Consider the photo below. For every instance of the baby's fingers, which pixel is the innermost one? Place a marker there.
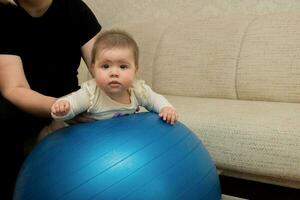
(172, 116)
(55, 108)
(169, 116)
(62, 107)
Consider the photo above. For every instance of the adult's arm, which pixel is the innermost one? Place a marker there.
(86, 51)
(89, 30)
(15, 88)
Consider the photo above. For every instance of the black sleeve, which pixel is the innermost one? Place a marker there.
(87, 23)
(7, 33)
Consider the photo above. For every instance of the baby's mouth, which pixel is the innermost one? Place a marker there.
(114, 84)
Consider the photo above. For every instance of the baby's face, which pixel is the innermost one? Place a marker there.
(114, 70)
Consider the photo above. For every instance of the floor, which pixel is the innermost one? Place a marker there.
(254, 190)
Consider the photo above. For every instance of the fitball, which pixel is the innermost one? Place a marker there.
(133, 157)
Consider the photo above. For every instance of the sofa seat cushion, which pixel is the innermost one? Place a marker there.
(249, 137)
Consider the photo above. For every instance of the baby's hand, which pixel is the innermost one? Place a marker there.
(60, 108)
(168, 114)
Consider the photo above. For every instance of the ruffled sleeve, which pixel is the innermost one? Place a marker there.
(147, 98)
(91, 88)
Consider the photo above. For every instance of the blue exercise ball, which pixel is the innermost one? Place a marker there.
(134, 157)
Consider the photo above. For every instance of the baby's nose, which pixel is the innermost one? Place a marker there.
(114, 71)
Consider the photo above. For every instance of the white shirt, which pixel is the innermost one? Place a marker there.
(98, 105)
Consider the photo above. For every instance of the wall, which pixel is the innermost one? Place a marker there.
(119, 11)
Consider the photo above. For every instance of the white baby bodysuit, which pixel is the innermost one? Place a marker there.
(98, 105)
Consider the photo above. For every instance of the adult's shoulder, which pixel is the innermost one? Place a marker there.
(7, 10)
(7, 6)
(2, 10)
(8, 13)
(8, 16)
(78, 10)
(75, 5)
(82, 20)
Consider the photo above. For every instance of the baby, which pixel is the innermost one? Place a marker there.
(113, 91)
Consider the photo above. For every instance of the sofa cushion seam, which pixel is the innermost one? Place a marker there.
(243, 38)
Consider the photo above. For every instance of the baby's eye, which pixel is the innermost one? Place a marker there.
(123, 66)
(105, 66)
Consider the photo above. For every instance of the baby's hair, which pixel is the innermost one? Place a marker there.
(115, 39)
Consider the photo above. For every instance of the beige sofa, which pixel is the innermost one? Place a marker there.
(234, 78)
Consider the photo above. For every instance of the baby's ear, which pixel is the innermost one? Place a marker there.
(92, 69)
(92, 65)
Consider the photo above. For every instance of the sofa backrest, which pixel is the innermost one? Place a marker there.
(234, 56)
(198, 57)
(269, 61)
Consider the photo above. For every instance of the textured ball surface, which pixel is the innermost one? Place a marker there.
(131, 157)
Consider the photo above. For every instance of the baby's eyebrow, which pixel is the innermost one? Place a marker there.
(105, 61)
(123, 61)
